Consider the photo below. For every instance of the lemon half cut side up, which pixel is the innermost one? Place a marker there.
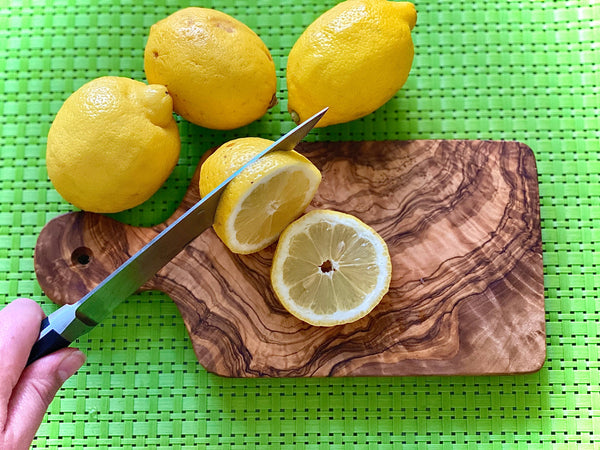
(330, 268)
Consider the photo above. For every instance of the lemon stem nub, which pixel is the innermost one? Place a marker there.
(273, 102)
(295, 116)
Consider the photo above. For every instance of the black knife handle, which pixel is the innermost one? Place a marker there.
(49, 343)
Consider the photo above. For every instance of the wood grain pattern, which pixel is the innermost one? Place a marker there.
(461, 219)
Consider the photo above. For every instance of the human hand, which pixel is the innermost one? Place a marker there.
(26, 392)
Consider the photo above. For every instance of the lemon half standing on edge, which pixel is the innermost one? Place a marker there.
(220, 73)
(112, 144)
(353, 59)
(330, 268)
(264, 198)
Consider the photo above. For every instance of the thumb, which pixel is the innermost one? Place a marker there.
(36, 389)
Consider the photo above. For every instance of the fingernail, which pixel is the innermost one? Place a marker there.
(70, 364)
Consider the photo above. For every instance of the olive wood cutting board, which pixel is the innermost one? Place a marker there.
(461, 219)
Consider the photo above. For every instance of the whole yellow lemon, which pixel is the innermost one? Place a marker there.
(353, 59)
(220, 73)
(112, 144)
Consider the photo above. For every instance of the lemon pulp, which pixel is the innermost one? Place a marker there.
(270, 205)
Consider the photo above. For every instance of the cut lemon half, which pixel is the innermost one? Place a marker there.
(330, 268)
(264, 198)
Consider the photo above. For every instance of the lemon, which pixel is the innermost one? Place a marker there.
(112, 144)
(330, 268)
(264, 198)
(353, 59)
(219, 72)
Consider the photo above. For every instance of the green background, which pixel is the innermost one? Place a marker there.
(512, 70)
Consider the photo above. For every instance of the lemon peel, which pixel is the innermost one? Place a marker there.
(353, 59)
(220, 73)
(112, 144)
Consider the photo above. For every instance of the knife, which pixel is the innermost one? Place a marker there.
(69, 322)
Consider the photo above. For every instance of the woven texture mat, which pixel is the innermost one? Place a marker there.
(526, 71)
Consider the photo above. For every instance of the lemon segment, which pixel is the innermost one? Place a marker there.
(112, 144)
(263, 199)
(353, 59)
(330, 268)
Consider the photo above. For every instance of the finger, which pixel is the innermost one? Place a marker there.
(19, 329)
(36, 389)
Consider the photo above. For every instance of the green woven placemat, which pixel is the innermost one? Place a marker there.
(526, 71)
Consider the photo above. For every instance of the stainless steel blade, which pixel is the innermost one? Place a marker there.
(138, 269)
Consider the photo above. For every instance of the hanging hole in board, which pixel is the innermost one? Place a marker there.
(81, 256)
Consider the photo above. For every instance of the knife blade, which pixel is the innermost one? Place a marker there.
(70, 322)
